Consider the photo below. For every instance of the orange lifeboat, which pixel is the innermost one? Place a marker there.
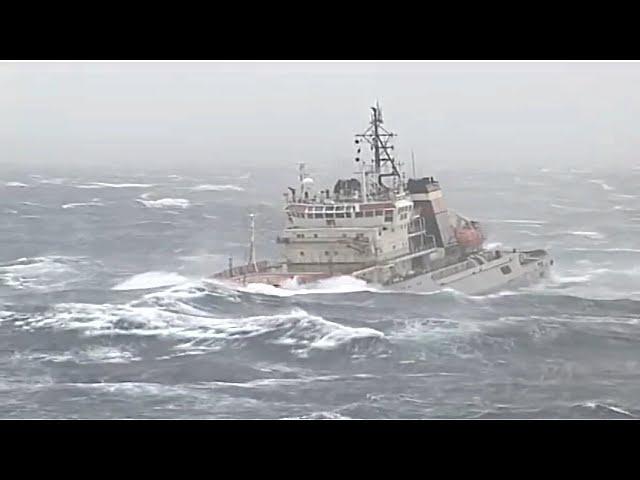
(469, 236)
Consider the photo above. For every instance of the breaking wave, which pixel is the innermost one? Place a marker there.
(92, 203)
(604, 409)
(335, 285)
(532, 222)
(89, 355)
(16, 184)
(216, 188)
(165, 203)
(114, 185)
(150, 280)
(602, 184)
(201, 332)
(41, 273)
(605, 250)
(593, 235)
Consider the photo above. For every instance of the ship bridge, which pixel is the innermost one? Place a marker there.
(361, 221)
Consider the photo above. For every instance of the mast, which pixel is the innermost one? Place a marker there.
(380, 141)
(413, 163)
(376, 136)
(252, 243)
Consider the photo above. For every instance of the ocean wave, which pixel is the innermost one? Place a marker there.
(92, 185)
(165, 203)
(574, 209)
(531, 234)
(52, 181)
(604, 408)
(93, 203)
(298, 330)
(593, 235)
(570, 279)
(602, 184)
(624, 195)
(41, 273)
(443, 332)
(334, 285)
(216, 188)
(89, 355)
(16, 184)
(150, 280)
(320, 416)
(605, 250)
(532, 222)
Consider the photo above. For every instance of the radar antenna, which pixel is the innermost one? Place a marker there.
(379, 139)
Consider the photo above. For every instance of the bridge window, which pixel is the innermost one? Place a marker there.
(358, 214)
(378, 213)
(300, 235)
(388, 215)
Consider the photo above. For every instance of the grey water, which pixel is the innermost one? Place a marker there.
(106, 310)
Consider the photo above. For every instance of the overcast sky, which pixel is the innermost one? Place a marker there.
(182, 115)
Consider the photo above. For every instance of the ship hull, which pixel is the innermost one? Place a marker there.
(508, 271)
(486, 279)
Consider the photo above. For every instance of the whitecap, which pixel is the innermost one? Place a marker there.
(594, 235)
(16, 184)
(604, 406)
(602, 184)
(52, 181)
(320, 416)
(574, 209)
(298, 329)
(82, 204)
(165, 203)
(333, 285)
(150, 280)
(607, 250)
(216, 188)
(89, 355)
(40, 273)
(533, 222)
(114, 185)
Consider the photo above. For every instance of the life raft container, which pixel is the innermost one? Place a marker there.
(469, 237)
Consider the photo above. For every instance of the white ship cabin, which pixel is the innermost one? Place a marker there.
(361, 222)
(338, 234)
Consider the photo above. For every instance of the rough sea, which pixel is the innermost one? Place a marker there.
(106, 310)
